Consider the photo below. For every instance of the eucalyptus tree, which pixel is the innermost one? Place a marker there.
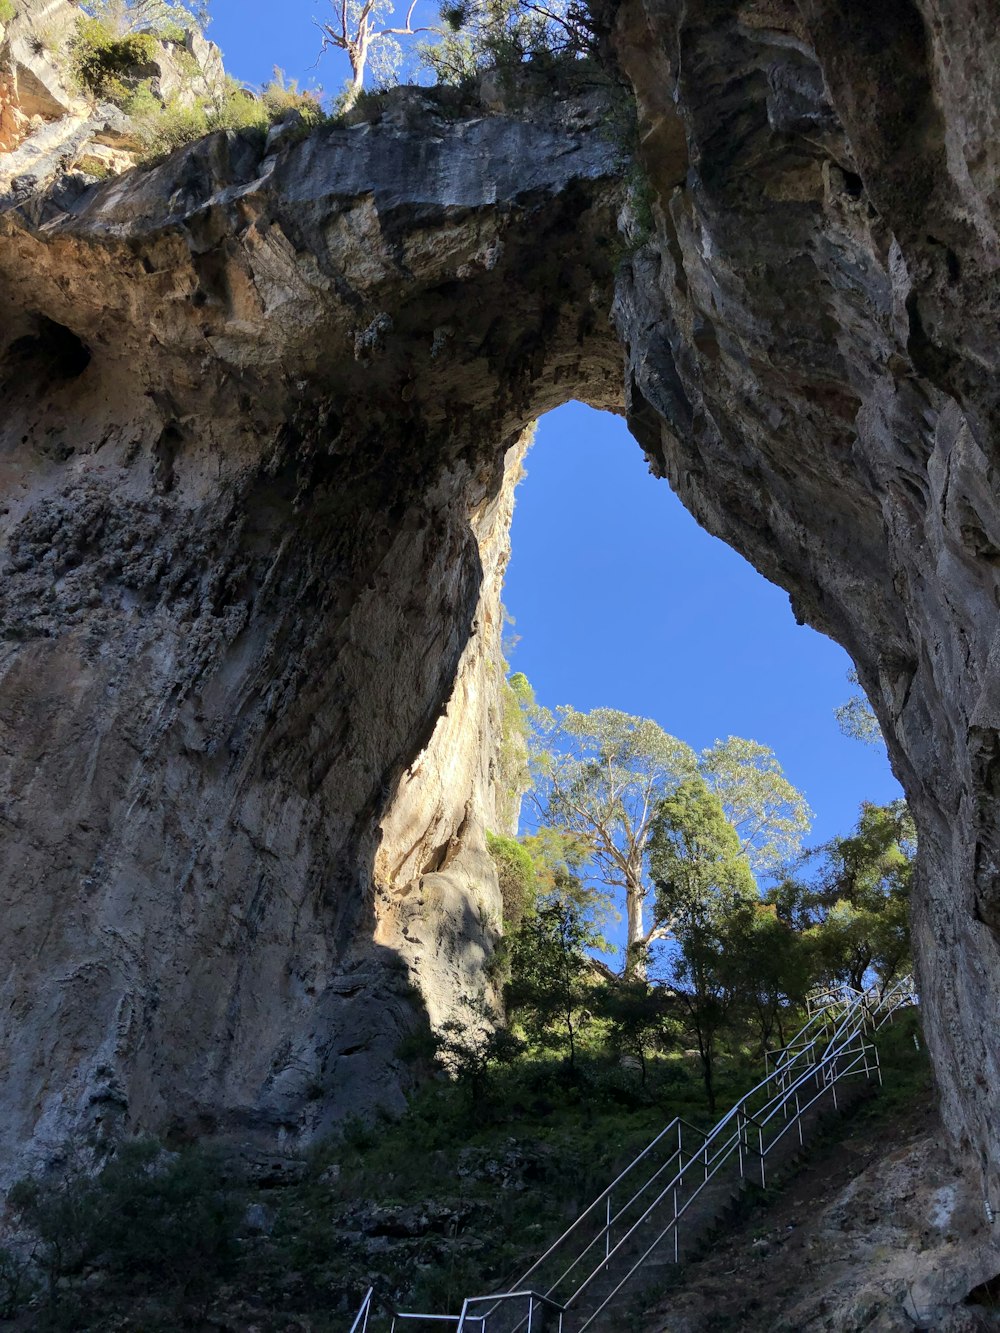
(601, 777)
(604, 777)
(364, 31)
(769, 814)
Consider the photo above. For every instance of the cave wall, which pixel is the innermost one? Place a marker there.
(258, 407)
(261, 416)
(811, 339)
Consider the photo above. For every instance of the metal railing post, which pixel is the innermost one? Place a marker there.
(739, 1144)
(607, 1234)
(760, 1141)
(531, 1311)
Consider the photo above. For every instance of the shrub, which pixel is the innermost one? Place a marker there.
(106, 65)
(7, 10)
(516, 873)
(154, 1220)
(281, 97)
(161, 129)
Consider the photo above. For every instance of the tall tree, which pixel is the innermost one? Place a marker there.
(551, 977)
(769, 814)
(363, 31)
(695, 856)
(602, 777)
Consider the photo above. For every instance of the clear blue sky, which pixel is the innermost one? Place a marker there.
(257, 35)
(619, 597)
(621, 600)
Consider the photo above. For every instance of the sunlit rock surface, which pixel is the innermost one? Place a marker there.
(256, 412)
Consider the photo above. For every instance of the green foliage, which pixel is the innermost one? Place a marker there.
(108, 65)
(472, 1051)
(559, 858)
(7, 10)
(610, 780)
(164, 128)
(855, 914)
(503, 34)
(155, 1220)
(551, 976)
(695, 855)
(856, 718)
(864, 894)
(600, 777)
(162, 17)
(516, 873)
(513, 777)
(282, 96)
(770, 816)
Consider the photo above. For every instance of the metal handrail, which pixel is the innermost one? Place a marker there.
(831, 1074)
(361, 1322)
(497, 1298)
(828, 1048)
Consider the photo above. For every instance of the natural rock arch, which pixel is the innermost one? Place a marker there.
(246, 542)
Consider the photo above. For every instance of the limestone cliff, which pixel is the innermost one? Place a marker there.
(255, 411)
(812, 361)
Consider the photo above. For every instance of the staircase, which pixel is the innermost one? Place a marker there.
(662, 1206)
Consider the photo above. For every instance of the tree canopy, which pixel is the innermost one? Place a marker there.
(609, 781)
(157, 16)
(856, 718)
(855, 911)
(769, 815)
(601, 777)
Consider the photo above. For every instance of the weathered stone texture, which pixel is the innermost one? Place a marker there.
(255, 408)
(811, 333)
(255, 418)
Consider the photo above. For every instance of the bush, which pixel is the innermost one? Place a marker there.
(108, 66)
(280, 98)
(7, 10)
(161, 129)
(516, 873)
(153, 1220)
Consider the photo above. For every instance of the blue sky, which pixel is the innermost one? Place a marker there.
(619, 598)
(257, 35)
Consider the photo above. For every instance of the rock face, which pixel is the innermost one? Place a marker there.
(812, 361)
(257, 417)
(255, 412)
